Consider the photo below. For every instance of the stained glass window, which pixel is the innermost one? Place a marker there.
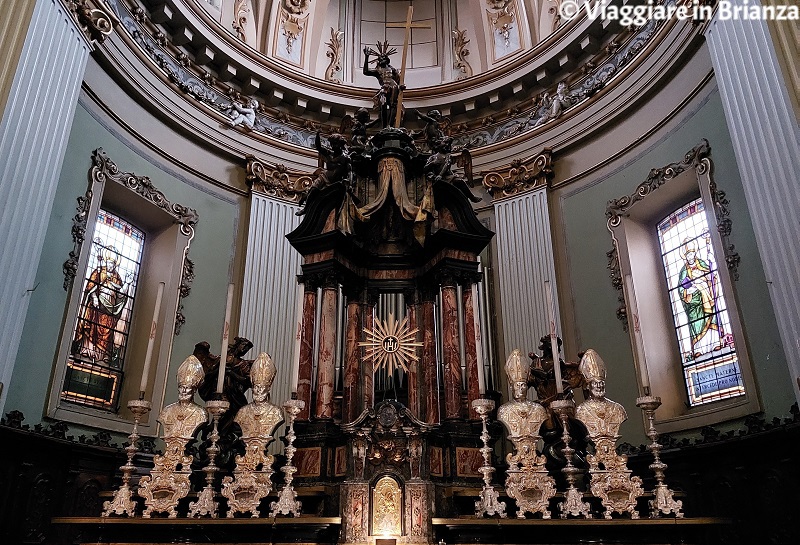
(100, 340)
(702, 325)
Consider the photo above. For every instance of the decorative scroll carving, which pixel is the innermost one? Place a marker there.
(461, 52)
(240, 10)
(616, 281)
(294, 14)
(105, 169)
(276, 180)
(503, 19)
(618, 208)
(334, 53)
(94, 18)
(724, 223)
(521, 175)
(187, 278)
(79, 221)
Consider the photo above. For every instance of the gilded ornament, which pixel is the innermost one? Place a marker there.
(611, 480)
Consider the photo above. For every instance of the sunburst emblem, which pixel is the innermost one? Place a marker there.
(391, 345)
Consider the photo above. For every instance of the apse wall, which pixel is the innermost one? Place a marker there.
(215, 251)
(583, 241)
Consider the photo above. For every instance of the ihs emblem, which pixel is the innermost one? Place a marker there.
(391, 344)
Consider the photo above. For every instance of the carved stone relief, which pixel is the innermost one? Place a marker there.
(520, 175)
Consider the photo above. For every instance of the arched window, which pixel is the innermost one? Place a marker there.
(96, 360)
(699, 312)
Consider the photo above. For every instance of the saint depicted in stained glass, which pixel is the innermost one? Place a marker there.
(698, 287)
(97, 354)
(702, 325)
(104, 299)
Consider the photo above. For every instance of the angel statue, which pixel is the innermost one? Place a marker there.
(438, 168)
(435, 127)
(244, 116)
(337, 166)
(553, 107)
(389, 78)
(357, 127)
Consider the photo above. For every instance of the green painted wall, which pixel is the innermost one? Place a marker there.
(211, 250)
(595, 300)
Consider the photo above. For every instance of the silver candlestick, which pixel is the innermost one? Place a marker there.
(663, 500)
(287, 500)
(123, 504)
(205, 504)
(488, 504)
(573, 503)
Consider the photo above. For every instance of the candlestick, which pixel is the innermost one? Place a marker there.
(287, 500)
(205, 504)
(123, 503)
(638, 342)
(548, 289)
(223, 351)
(488, 504)
(663, 500)
(573, 503)
(151, 341)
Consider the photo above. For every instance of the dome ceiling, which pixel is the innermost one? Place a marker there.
(499, 69)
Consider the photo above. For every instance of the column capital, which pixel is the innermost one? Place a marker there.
(94, 18)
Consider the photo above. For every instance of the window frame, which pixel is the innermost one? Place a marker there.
(169, 230)
(646, 308)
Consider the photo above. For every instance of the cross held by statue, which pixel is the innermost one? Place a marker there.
(408, 25)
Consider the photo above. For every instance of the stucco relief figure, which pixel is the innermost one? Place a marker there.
(168, 481)
(553, 107)
(527, 479)
(258, 421)
(611, 479)
(243, 116)
(389, 78)
(104, 299)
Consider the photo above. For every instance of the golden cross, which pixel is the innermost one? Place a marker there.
(408, 25)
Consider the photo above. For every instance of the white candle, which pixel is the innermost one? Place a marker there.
(226, 330)
(478, 344)
(638, 342)
(298, 337)
(151, 341)
(551, 311)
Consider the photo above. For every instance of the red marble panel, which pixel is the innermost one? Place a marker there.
(351, 402)
(451, 354)
(435, 462)
(308, 462)
(368, 394)
(430, 382)
(327, 351)
(468, 462)
(413, 368)
(306, 352)
(470, 351)
(340, 464)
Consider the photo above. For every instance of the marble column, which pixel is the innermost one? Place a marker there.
(368, 396)
(414, 366)
(471, 350)
(351, 404)
(326, 362)
(429, 375)
(766, 141)
(34, 129)
(307, 349)
(451, 352)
